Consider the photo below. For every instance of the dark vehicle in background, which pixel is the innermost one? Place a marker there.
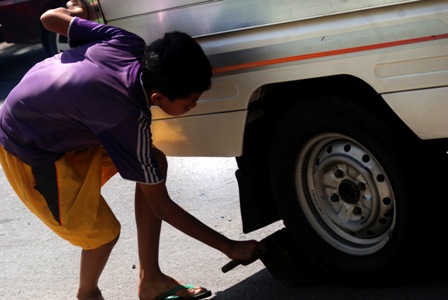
(20, 23)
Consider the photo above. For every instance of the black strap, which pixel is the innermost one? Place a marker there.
(46, 184)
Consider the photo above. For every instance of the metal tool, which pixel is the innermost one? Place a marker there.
(280, 258)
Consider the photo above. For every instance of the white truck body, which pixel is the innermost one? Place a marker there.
(329, 107)
(398, 47)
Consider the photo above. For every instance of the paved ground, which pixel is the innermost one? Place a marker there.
(35, 264)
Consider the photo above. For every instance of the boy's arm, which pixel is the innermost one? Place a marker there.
(58, 19)
(164, 208)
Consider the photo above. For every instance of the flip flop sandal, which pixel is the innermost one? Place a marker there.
(171, 294)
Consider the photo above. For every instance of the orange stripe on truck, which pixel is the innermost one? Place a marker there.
(268, 62)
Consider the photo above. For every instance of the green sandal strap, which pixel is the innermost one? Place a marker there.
(171, 293)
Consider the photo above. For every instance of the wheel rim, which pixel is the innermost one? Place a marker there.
(345, 194)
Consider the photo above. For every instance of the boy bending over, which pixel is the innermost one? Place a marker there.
(77, 118)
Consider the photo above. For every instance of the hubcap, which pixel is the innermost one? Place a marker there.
(345, 194)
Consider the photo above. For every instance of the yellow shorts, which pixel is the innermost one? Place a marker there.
(72, 206)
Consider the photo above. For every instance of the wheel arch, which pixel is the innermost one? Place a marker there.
(265, 111)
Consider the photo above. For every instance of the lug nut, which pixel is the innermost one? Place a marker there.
(357, 211)
(334, 198)
(339, 173)
(362, 186)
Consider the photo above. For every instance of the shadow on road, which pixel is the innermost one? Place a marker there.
(262, 286)
(259, 286)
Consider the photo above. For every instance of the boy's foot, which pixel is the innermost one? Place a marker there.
(98, 296)
(193, 293)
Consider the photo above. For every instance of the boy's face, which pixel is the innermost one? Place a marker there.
(177, 107)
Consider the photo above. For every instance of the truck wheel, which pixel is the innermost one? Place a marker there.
(341, 184)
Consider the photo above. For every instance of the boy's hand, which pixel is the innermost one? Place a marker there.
(246, 251)
(78, 8)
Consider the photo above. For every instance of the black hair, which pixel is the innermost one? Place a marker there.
(176, 66)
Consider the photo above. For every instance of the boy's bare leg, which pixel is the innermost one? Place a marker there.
(92, 265)
(148, 234)
(148, 237)
(153, 281)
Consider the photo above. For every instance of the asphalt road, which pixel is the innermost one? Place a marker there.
(35, 264)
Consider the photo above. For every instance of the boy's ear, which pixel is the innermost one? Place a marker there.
(157, 98)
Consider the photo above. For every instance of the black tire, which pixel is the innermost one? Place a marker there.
(51, 42)
(54, 43)
(341, 182)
